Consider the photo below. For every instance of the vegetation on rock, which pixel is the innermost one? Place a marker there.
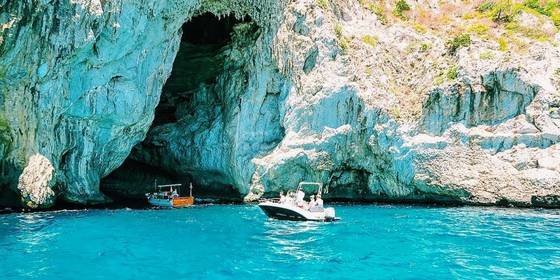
(462, 40)
(400, 8)
(370, 40)
(452, 73)
(342, 41)
(323, 3)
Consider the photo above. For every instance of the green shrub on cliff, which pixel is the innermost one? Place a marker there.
(400, 8)
(542, 7)
(485, 6)
(342, 41)
(425, 46)
(505, 11)
(452, 73)
(462, 40)
(500, 10)
(549, 8)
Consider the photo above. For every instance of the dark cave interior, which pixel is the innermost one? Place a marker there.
(199, 61)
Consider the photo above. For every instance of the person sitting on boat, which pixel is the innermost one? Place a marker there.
(319, 201)
(282, 197)
(293, 197)
(312, 201)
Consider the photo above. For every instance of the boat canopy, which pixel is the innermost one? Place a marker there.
(168, 186)
(319, 185)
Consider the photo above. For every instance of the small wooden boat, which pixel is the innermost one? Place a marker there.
(168, 196)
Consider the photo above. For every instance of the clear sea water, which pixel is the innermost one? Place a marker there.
(239, 242)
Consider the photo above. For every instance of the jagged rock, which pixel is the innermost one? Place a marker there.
(35, 183)
(80, 81)
(284, 91)
(547, 201)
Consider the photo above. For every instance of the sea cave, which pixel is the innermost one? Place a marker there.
(186, 139)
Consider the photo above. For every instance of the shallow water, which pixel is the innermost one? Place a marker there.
(239, 242)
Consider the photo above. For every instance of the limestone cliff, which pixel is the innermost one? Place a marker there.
(380, 100)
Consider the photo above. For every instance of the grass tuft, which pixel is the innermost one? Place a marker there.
(324, 4)
(502, 44)
(486, 55)
(452, 73)
(342, 41)
(479, 29)
(370, 40)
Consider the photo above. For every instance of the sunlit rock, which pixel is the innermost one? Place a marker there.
(247, 98)
(35, 183)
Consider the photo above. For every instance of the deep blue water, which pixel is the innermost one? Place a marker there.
(239, 242)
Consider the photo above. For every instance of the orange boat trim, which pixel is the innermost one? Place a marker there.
(183, 201)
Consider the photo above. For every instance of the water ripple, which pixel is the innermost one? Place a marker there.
(239, 242)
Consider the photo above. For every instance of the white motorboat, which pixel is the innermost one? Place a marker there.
(294, 207)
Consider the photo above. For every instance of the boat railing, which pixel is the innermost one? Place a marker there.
(274, 200)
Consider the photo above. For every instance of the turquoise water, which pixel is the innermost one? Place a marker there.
(239, 242)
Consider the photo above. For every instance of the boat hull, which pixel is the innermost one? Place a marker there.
(281, 213)
(293, 213)
(178, 202)
(183, 201)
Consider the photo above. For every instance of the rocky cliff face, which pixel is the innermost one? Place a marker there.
(379, 101)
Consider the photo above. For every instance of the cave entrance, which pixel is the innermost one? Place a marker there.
(190, 95)
(199, 61)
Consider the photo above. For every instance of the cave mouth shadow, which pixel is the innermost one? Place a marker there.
(199, 62)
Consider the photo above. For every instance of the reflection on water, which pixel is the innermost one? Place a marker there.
(32, 230)
(32, 234)
(296, 239)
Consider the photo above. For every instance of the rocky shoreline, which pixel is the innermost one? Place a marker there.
(550, 202)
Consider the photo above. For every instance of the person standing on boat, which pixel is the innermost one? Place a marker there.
(299, 198)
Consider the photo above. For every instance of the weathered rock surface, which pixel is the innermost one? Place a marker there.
(297, 92)
(35, 182)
